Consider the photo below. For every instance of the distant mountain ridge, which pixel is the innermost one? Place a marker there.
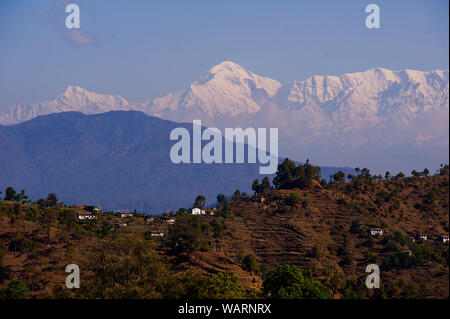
(118, 160)
(383, 119)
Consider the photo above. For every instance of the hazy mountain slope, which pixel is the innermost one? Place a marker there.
(74, 98)
(119, 160)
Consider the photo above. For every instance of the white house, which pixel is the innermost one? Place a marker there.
(149, 219)
(124, 214)
(86, 215)
(120, 224)
(198, 211)
(376, 231)
(444, 238)
(422, 237)
(157, 234)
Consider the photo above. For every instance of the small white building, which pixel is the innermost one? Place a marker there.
(149, 219)
(124, 214)
(422, 237)
(198, 211)
(376, 232)
(120, 224)
(444, 239)
(157, 234)
(86, 215)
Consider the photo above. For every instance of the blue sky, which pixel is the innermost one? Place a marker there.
(144, 49)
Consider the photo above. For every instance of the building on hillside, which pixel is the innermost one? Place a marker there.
(407, 252)
(149, 219)
(157, 234)
(169, 220)
(124, 214)
(443, 239)
(197, 211)
(92, 209)
(120, 224)
(86, 215)
(376, 231)
(211, 211)
(421, 237)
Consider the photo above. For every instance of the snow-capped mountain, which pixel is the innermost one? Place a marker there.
(227, 89)
(368, 97)
(74, 98)
(373, 118)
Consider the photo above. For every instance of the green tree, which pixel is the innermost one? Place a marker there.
(249, 264)
(290, 176)
(10, 194)
(256, 186)
(223, 285)
(289, 282)
(265, 184)
(52, 200)
(200, 201)
(339, 177)
(236, 195)
(17, 289)
(221, 199)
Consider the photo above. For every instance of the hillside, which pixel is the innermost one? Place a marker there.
(116, 160)
(322, 229)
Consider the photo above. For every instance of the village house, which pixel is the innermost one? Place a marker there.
(197, 211)
(421, 237)
(157, 234)
(376, 231)
(92, 209)
(169, 220)
(149, 219)
(86, 215)
(120, 225)
(443, 239)
(124, 214)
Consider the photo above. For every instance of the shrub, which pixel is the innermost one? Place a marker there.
(289, 282)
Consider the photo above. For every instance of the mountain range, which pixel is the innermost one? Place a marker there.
(117, 160)
(378, 118)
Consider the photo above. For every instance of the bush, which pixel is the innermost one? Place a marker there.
(249, 264)
(347, 260)
(289, 282)
(17, 289)
(293, 199)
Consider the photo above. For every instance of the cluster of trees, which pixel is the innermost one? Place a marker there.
(265, 185)
(290, 176)
(12, 195)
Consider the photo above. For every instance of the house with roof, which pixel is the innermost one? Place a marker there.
(124, 214)
(198, 211)
(376, 231)
(443, 239)
(421, 236)
(86, 215)
(92, 209)
(157, 234)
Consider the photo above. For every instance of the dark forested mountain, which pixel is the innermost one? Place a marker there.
(117, 160)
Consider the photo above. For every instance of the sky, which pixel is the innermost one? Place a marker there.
(145, 49)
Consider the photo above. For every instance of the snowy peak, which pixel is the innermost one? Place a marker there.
(77, 96)
(371, 94)
(74, 98)
(226, 89)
